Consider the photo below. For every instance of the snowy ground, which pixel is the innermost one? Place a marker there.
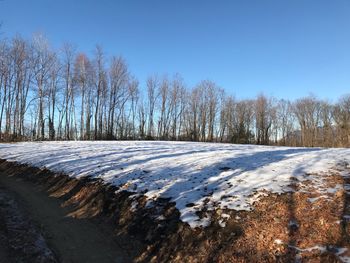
(194, 175)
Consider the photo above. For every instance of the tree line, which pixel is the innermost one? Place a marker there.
(63, 94)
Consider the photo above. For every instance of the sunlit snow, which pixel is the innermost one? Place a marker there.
(193, 175)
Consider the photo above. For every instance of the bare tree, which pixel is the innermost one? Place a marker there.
(5, 63)
(43, 60)
(325, 131)
(286, 121)
(134, 95)
(263, 119)
(341, 116)
(307, 111)
(52, 96)
(82, 78)
(69, 105)
(152, 92)
(99, 86)
(119, 77)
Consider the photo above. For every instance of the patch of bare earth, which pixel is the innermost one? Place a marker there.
(309, 224)
(21, 239)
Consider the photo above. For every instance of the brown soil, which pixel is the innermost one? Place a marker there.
(86, 221)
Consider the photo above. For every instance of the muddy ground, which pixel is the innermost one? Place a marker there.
(60, 219)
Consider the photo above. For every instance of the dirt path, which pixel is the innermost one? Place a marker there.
(71, 239)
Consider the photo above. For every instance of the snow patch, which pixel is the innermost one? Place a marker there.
(205, 175)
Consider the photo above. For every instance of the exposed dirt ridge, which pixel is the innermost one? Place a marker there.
(298, 226)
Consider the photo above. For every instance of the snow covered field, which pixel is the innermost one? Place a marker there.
(194, 175)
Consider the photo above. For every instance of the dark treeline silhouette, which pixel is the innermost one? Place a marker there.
(48, 94)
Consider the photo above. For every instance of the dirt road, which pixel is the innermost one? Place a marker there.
(67, 239)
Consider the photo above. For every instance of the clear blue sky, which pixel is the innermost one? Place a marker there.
(284, 48)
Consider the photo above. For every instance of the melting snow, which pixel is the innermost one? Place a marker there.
(338, 251)
(278, 242)
(201, 174)
(314, 199)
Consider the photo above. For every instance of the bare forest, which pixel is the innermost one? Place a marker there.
(63, 94)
